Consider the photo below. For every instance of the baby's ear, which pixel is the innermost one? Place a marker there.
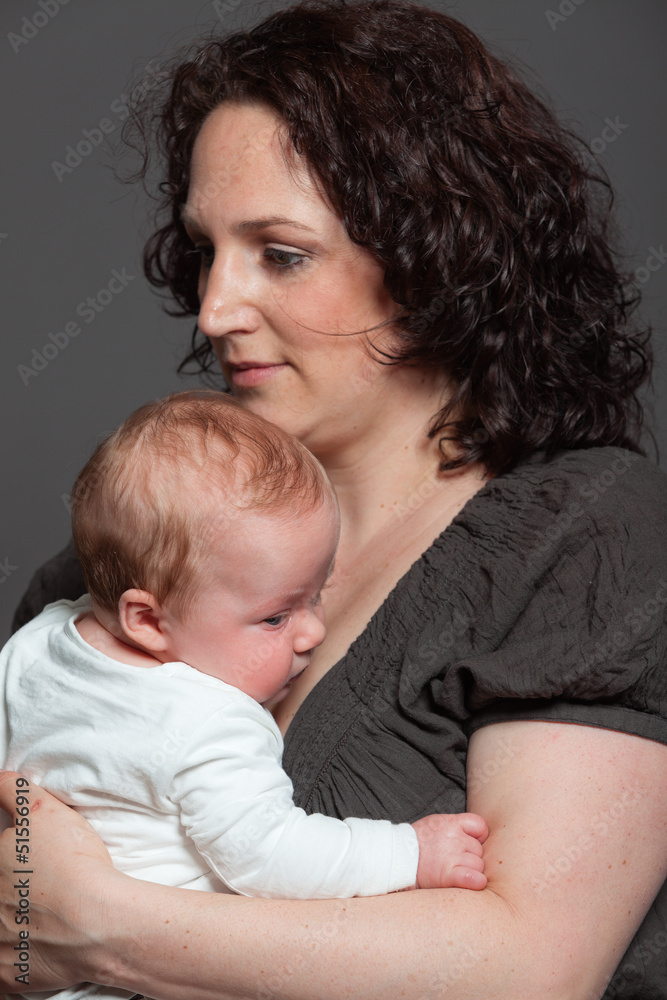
(141, 617)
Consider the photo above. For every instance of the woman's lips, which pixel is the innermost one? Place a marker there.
(253, 373)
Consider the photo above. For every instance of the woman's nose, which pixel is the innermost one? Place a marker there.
(226, 299)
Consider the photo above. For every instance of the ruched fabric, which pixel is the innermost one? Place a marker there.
(545, 599)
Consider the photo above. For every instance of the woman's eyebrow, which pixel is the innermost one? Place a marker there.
(251, 225)
(273, 220)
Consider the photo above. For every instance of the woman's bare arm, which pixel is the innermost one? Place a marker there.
(578, 820)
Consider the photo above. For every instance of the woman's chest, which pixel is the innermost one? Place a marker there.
(367, 571)
(359, 586)
(366, 744)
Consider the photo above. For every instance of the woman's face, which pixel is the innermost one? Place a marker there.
(283, 290)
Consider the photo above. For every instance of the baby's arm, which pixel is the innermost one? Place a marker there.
(236, 805)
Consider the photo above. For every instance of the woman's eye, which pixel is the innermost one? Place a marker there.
(275, 620)
(283, 259)
(204, 253)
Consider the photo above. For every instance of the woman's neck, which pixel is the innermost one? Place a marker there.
(389, 471)
(399, 501)
(394, 503)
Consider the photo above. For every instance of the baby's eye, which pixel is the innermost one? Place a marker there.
(275, 620)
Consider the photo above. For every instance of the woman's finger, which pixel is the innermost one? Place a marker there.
(46, 847)
(7, 791)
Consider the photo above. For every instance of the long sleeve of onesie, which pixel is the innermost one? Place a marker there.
(236, 805)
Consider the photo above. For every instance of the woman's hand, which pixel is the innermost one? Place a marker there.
(48, 899)
(578, 825)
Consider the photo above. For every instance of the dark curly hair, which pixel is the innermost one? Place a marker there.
(490, 220)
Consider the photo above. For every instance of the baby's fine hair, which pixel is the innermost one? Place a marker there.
(177, 472)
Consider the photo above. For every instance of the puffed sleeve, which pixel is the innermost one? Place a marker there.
(567, 620)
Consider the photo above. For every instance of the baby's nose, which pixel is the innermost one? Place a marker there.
(310, 635)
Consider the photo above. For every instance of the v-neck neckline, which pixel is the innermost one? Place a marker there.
(324, 696)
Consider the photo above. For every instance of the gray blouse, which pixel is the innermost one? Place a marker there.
(546, 598)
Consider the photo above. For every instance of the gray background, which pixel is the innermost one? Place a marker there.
(60, 239)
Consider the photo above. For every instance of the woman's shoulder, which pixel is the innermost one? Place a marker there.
(60, 578)
(582, 516)
(607, 475)
(596, 492)
(548, 599)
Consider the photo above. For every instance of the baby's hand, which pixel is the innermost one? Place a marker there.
(450, 851)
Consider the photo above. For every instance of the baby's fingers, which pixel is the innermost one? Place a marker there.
(473, 846)
(463, 877)
(474, 825)
(469, 860)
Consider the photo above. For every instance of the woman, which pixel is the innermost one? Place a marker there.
(394, 253)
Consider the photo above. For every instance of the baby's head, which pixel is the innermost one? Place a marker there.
(205, 535)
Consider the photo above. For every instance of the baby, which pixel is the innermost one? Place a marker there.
(206, 536)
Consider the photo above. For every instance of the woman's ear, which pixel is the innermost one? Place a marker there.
(141, 619)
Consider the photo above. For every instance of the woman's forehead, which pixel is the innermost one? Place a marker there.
(252, 128)
(239, 160)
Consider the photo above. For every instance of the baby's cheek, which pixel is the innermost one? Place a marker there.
(274, 699)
